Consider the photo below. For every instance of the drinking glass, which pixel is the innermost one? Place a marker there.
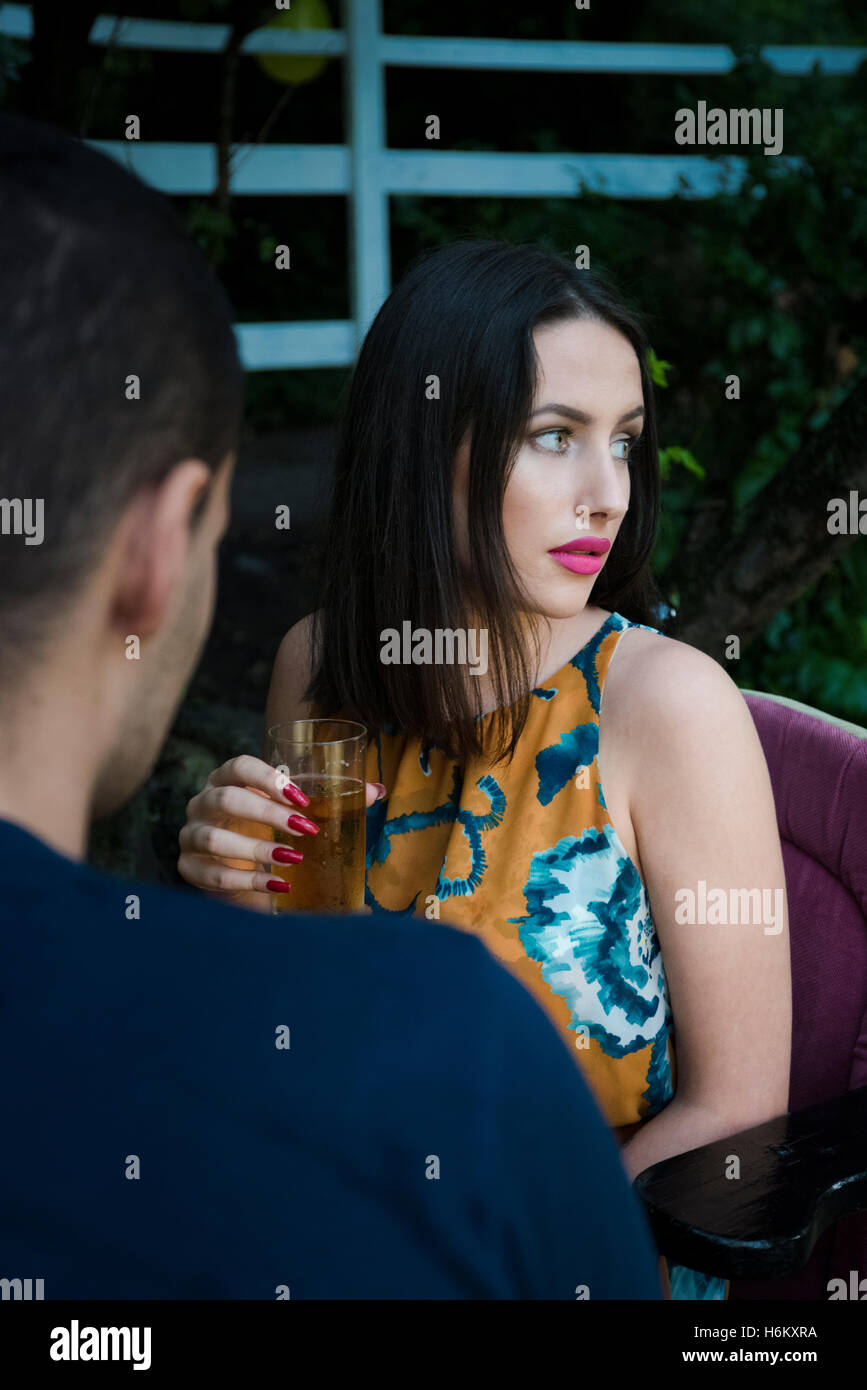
(326, 758)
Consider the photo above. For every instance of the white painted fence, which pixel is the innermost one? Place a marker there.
(365, 171)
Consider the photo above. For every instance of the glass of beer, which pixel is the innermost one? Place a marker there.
(326, 758)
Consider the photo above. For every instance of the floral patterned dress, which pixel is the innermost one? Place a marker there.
(526, 857)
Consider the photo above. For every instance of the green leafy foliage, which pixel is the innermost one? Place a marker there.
(815, 650)
(675, 454)
(213, 230)
(658, 370)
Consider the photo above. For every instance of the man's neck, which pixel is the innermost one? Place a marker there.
(46, 782)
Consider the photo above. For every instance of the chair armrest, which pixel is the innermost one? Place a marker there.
(799, 1173)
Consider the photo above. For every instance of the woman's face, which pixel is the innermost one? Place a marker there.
(571, 478)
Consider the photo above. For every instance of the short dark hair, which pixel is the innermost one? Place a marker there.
(98, 282)
(465, 313)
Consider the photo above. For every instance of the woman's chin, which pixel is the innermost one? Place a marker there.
(557, 606)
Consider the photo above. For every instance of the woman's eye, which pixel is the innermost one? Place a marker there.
(547, 435)
(627, 445)
(561, 437)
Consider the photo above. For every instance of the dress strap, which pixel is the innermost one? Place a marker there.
(595, 676)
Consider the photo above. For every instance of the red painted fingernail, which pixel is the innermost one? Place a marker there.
(296, 796)
(286, 856)
(303, 824)
(277, 885)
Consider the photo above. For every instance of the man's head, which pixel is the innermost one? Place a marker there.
(120, 406)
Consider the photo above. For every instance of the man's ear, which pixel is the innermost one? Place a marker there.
(152, 546)
(200, 506)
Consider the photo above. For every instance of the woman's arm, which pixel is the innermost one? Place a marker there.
(290, 676)
(703, 812)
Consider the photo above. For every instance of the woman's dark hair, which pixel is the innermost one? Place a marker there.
(464, 314)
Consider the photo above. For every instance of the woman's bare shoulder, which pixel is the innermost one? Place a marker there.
(671, 716)
(291, 675)
(657, 677)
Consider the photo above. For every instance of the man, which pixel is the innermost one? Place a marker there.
(202, 1102)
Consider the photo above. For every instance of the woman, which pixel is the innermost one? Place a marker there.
(500, 412)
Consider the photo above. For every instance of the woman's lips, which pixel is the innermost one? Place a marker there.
(578, 562)
(584, 555)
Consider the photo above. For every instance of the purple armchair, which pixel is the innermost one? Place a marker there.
(818, 772)
(807, 1171)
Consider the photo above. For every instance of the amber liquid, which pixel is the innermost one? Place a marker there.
(330, 878)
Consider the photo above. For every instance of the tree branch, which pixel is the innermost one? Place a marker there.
(243, 16)
(784, 544)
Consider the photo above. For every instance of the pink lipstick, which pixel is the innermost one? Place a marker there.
(582, 556)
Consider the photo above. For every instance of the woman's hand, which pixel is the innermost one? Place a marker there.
(227, 842)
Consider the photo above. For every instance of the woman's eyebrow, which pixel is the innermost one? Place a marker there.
(580, 415)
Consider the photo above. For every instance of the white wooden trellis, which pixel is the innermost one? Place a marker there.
(366, 171)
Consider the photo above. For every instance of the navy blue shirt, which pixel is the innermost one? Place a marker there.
(420, 1131)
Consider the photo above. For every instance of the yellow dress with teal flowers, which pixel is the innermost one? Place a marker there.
(527, 858)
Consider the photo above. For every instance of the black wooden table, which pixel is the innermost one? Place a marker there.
(799, 1173)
